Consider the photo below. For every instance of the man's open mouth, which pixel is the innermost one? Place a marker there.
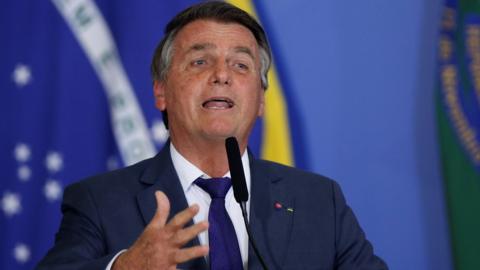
(218, 103)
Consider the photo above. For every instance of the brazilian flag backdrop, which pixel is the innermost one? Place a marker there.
(459, 126)
(76, 99)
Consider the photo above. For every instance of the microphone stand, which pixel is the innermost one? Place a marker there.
(243, 206)
(240, 188)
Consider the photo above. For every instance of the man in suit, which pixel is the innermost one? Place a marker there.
(210, 74)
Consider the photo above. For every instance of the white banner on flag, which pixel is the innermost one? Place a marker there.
(91, 30)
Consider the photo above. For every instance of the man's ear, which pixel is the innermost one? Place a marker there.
(159, 94)
(261, 107)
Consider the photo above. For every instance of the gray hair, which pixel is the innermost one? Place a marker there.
(216, 11)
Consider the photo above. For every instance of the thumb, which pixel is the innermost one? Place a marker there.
(163, 209)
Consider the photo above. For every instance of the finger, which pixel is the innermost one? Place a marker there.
(186, 254)
(182, 218)
(163, 209)
(187, 234)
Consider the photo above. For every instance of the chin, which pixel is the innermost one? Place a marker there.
(219, 134)
(219, 128)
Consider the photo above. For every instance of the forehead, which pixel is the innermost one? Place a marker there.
(219, 34)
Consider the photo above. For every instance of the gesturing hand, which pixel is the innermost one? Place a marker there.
(160, 244)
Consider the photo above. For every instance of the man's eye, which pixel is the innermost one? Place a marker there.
(242, 66)
(199, 62)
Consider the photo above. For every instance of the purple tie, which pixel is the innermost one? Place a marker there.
(224, 250)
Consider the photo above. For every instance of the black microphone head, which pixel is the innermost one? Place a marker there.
(239, 185)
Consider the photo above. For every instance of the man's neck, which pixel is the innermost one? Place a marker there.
(210, 157)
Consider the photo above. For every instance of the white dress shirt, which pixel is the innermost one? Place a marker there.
(188, 173)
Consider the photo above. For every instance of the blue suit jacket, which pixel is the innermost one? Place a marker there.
(106, 213)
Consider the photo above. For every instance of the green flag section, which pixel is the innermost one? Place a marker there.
(458, 113)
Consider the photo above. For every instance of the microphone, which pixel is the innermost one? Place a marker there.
(237, 174)
(240, 190)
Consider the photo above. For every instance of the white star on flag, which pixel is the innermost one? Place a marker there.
(21, 75)
(54, 162)
(24, 173)
(52, 190)
(11, 203)
(22, 152)
(21, 252)
(159, 132)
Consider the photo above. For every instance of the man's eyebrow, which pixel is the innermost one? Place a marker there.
(201, 46)
(242, 49)
(208, 46)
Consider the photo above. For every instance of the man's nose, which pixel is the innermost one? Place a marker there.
(221, 74)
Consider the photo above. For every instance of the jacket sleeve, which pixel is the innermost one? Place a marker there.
(79, 242)
(353, 250)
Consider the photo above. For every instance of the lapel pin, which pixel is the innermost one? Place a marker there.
(279, 206)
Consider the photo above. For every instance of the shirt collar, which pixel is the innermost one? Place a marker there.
(188, 173)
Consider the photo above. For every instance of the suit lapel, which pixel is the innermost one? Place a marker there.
(161, 175)
(271, 227)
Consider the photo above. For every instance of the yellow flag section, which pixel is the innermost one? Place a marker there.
(276, 141)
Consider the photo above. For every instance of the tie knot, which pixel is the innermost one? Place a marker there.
(216, 187)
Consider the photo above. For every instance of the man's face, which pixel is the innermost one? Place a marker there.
(213, 88)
